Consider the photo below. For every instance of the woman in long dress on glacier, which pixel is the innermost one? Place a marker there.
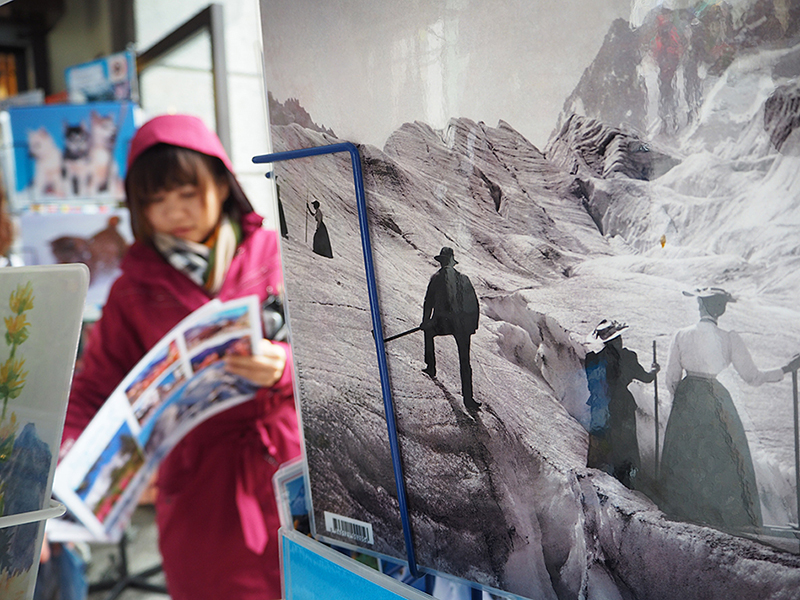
(707, 473)
(322, 243)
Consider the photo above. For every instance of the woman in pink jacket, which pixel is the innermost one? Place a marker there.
(197, 238)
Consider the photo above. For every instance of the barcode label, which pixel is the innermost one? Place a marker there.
(350, 528)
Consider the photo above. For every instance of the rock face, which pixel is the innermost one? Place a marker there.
(614, 219)
(290, 111)
(782, 114)
(653, 77)
(591, 148)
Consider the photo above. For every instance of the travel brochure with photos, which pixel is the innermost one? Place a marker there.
(179, 383)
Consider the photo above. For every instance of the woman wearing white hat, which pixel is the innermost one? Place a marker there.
(707, 473)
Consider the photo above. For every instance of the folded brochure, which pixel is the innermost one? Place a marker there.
(179, 383)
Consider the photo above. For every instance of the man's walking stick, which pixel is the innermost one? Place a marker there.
(655, 407)
(796, 443)
(399, 335)
(307, 209)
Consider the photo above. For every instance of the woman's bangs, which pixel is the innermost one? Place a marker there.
(166, 168)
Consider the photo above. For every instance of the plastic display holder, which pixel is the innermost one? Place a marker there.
(56, 509)
(310, 568)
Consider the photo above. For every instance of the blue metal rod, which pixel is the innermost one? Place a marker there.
(377, 327)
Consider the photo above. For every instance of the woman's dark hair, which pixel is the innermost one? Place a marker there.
(166, 167)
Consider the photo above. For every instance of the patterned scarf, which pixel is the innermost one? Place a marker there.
(206, 264)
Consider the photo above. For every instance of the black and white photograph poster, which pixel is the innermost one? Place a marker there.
(585, 223)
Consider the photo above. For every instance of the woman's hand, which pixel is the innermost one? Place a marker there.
(655, 368)
(263, 369)
(150, 493)
(44, 555)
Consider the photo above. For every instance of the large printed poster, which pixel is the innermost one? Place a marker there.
(585, 226)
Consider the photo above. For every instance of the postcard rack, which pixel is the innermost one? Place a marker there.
(377, 327)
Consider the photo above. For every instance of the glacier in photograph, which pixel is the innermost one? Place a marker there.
(674, 165)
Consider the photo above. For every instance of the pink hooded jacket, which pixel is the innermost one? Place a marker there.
(216, 509)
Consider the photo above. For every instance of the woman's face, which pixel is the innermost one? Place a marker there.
(188, 211)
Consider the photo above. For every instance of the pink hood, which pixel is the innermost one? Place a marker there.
(184, 131)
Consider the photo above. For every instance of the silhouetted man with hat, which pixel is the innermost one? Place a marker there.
(451, 308)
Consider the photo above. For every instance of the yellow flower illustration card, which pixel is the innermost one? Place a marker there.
(42, 308)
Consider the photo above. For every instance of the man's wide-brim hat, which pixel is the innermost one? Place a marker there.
(606, 331)
(711, 292)
(445, 256)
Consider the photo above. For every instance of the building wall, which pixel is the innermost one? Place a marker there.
(182, 82)
(82, 34)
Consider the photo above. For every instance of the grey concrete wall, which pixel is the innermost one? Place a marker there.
(82, 34)
(182, 82)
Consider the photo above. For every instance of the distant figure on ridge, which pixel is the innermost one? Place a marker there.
(613, 445)
(322, 243)
(451, 308)
(707, 473)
